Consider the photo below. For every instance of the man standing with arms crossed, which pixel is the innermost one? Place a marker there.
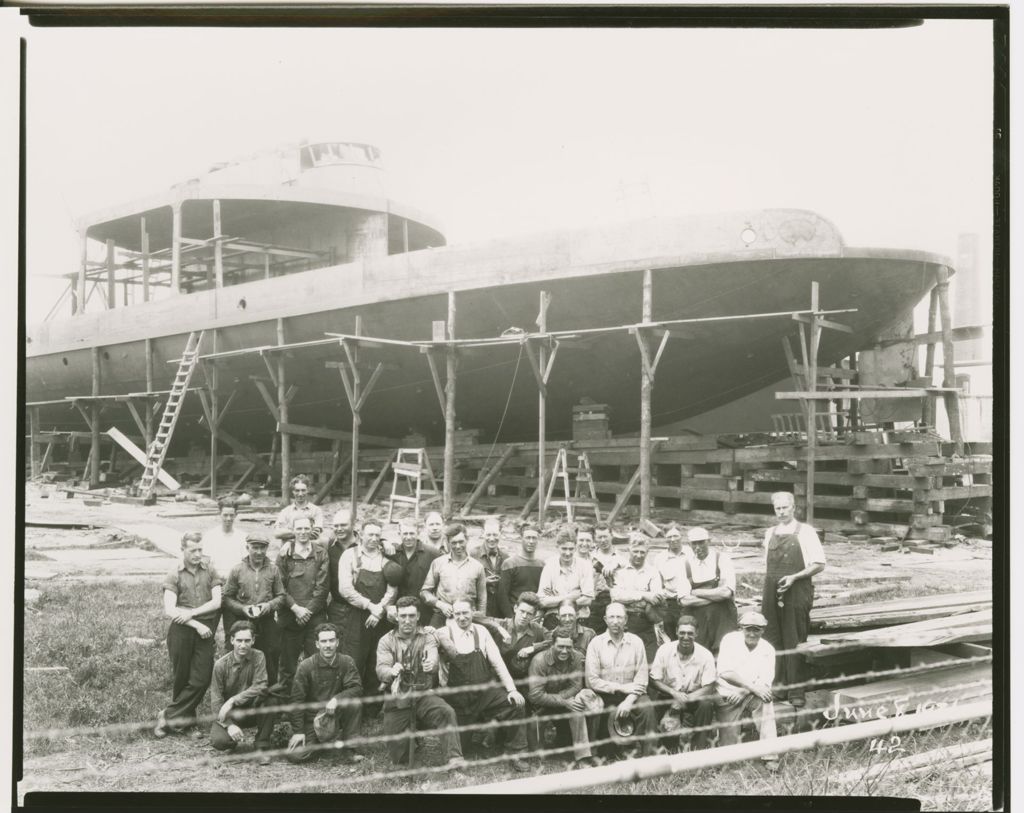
(793, 556)
(712, 586)
(638, 588)
(565, 578)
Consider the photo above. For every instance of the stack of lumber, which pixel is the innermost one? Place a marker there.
(899, 611)
(965, 627)
(971, 753)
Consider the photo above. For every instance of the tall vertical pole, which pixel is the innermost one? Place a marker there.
(144, 246)
(356, 421)
(542, 413)
(449, 414)
(646, 385)
(150, 404)
(948, 360)
(33, 433)
(218, 246)
(94, 454)
(82, 282)
(176, 248)
(929, 357)
(812, 404)
(214, 419)
(111, 288)
(282, 408)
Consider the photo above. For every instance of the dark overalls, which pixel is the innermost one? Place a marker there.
(473, 669)
(714, 620)
(358, 641)
(789, 624)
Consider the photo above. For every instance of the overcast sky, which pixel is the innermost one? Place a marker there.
(502, 132)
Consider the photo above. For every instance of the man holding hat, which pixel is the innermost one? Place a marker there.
(253, 593)
(712, 587)
(556, 687)
(793, 556)
(746, 669)
(407, 669)
(323, 683)
(684, 671)
(616, 669)
(239, 687)
(639, 589)
(367, 596)
(492, 557)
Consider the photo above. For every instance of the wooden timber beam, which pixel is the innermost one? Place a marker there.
(630, 487)
(958, 334)
(336, 475)
(814, 319)
(335, 434)
(836, 395)
(488, 478)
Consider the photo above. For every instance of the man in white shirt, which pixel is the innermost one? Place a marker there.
(616, 669)
(602, 595)
(224, 545)
(712, 586)
(638, 587)
(672, 566)
(470, 658)
(793, 556)
(684, 672)
(565, 579)
(454, 575)
(746, 670)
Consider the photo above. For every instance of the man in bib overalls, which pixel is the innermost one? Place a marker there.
(367, 596)
(712, 583)
(793, 555)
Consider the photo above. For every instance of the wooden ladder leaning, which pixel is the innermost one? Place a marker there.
(172, 409)
(575, 497)
(411, 468)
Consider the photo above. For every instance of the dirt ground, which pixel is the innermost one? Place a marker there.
(138, 544)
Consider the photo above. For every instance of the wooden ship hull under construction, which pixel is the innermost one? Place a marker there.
(716, 265)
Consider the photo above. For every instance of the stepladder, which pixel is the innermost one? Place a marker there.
(157, 451)
(577, 481)
(413, 483)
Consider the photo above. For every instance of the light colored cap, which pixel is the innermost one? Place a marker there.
(697, 535)
(753, 619)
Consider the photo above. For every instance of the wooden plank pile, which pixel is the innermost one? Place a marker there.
(899, 611)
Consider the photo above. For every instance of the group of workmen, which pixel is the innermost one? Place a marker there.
(590, 646)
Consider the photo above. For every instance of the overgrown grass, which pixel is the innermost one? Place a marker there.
(85, 626)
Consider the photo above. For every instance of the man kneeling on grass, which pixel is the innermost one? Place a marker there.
(322, 684)
(746, 669)
(684, 671)
(239, 688)
(470, 659)
(407, 665)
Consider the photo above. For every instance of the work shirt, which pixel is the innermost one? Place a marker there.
(617, 668)
(810, 545)
(335, 547)
(610, 562)
(553, 682)
(600, 582)
(194, 588)
(533, 634)
(683, 675)
(451, 636)
(250, 585)
(352, 561)
(391, 649)
(581, 636)
(704, 570)
(415, 567)
(559, 580)
(449, 580)
(757, 666)
(240, 679)
(672, 569)
(492, 569)
(304, 575)
(518, 575)
(286, 518)
(631, 581)
(318, 680)
(224, 550)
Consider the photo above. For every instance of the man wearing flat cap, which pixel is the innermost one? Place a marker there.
(254, 591)
(746, 670)
(238, 689)
(712, 587)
